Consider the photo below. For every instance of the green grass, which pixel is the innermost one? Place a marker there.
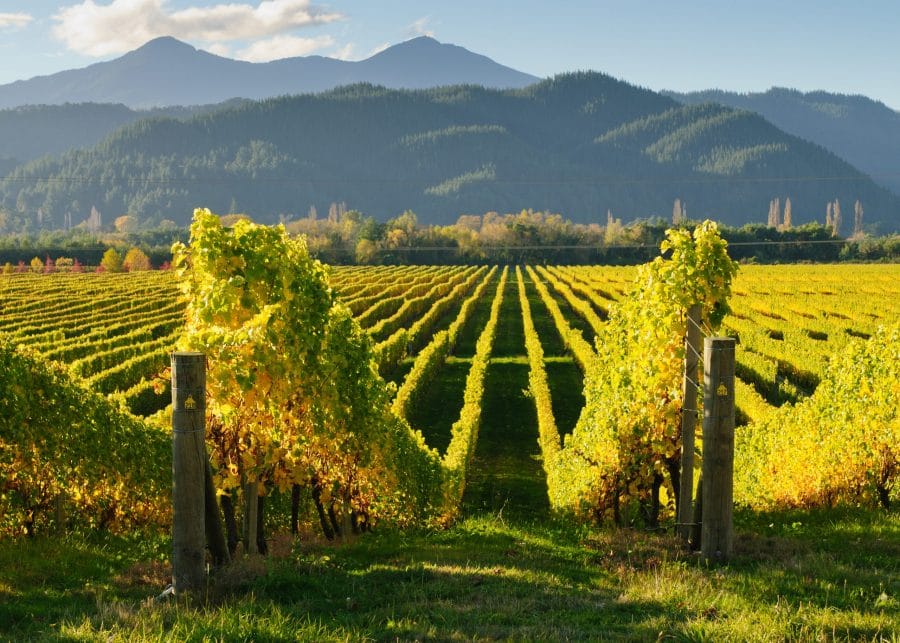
(439, 406)
(506, 477)
(825, 575)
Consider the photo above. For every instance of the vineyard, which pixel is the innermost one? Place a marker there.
(495, 381)
(114, 332)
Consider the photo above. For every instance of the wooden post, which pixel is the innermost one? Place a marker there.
(188, 471)
(59, 512)
(251, 502)
(688, 423)
(717, 539)
(215, 536)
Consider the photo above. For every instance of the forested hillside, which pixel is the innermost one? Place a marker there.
(37, 130)
(578, 144)
(863, 131)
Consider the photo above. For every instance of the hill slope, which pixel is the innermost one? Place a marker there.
(33, 131)
(578, 144)
(166, 71)
(863, 131)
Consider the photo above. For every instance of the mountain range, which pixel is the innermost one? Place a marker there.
(579, 144)
(497, 139)
(166, 71)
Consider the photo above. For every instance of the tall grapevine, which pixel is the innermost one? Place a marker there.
(628, 438)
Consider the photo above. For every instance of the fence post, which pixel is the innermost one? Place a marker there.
(251, 507)
(717, 540)
(688, 423)
(188, 470)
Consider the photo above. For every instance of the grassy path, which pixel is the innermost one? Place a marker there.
(439, 407)
(506, 477)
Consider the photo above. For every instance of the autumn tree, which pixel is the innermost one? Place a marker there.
(775, 213)
(64, 264)
(125, 223)
(136, 260)
(111, 261)
(857, 219)
(677, 213)
(836, 218)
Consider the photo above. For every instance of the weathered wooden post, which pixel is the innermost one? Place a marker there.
(688, 422)
(215, 536)
(188, 471)
(717, 540)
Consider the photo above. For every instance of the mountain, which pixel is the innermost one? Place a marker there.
(33, 131)
(166, 71)
(863, 131)
(578, 144)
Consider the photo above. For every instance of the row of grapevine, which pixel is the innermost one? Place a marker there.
(432, 357)
(386, 294)
(840, 444)
(117, 329)
(548, 433)
(68, 451)
(580, 306)
(464, 433)
(624, 449)
(414, 306)
(386, 302)
(572, 338)
(405, 340)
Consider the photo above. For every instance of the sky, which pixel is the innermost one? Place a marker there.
(845, 46)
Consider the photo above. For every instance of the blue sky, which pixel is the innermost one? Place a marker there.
(842, 46)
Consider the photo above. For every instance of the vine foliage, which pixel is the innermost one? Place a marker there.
(296, 398)
(627, 442)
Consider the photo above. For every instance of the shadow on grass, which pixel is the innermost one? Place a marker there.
(796, 575)
(45, 580)
(482, 579)
(440, 404)
(506, 474)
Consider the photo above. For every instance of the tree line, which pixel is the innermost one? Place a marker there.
(346, 236)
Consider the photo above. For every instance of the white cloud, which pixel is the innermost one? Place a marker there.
(122, 25)
(219, 49)
(420, 28)
(345, 52)
(379, 49)
(14, 20)
(279, 47)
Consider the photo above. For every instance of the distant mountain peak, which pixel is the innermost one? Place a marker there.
(422, 40)
(164, 44)
(166, 71)
(422, 45)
